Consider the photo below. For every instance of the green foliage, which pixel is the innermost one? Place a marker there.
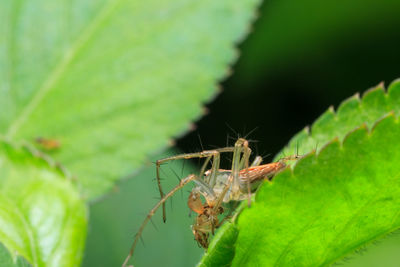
(113, 81)
(42, 216)
(6, 259)
(333, 202)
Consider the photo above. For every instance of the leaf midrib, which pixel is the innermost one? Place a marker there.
(60, 68)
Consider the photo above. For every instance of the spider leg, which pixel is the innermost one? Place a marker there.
(242, 145)
(204, 154)
(245, 163)
(236, 162)
(182, 183)
(257, 161)
(233, 179)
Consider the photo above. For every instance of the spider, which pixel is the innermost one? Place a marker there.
(216, 186)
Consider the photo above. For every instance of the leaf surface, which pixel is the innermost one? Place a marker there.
(42, 216)
(330, 205)
(112, 80)
(6, 259)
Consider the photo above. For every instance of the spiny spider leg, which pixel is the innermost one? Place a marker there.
(203, 154)
(239, 163)
(197, 179)
(245, 163)
(241, 145)
(182, 183)
(257, 161)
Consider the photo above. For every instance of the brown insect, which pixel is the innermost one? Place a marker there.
(216, 186)
(48, 144)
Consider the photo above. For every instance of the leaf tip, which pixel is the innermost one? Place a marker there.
(388, 116)
(349, 104)
(380, 89)
(394, 87)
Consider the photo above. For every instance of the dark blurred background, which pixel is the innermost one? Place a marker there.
(301, 57)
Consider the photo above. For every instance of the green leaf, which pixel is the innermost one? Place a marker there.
(114, 80)
(352, 112)
(332, 203)
(221, 255)
(329, 205)
(42, 216)
(6, 259)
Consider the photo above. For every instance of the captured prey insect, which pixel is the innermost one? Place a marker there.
(216, 186)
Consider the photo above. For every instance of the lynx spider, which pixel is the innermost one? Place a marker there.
(216, 185)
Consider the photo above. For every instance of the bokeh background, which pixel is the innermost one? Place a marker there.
(301, 57)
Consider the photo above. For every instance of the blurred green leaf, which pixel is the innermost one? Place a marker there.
(332, 203)
(6, 259)
(112, 81)
(115, 220)
(42, 216)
